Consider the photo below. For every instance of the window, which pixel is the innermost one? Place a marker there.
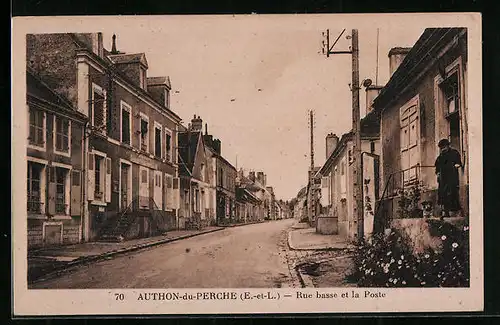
(142, 78)
(158, 142)
(34, 188)
(36, 128)
(98, 176)
(99, 109)
(372, 146)
(62, 134)
(451, 106)
(61, 204)
(167, 98)
(144, 134)
(409, 134)
(125, 124)
(144, 176)
(168, 145)
(202, 171)
(343, 177)
(350, 158)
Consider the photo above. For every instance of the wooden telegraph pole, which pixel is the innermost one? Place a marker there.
(356, 124)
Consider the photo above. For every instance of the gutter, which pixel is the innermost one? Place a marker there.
(431, 62)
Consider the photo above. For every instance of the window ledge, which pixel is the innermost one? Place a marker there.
(61, 217)
(37, 216)
(62, 153)
(99, 203)
(36, 147)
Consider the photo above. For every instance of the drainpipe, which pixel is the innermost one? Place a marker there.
(376, 157)
(83, 183)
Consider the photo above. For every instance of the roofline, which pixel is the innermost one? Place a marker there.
(125, 79)
(399, 82)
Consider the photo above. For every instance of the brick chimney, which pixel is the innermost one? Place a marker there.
(396, 57)
(371, 93)
(260, 178)
(251, 176)
(196, 124)
(331, 143)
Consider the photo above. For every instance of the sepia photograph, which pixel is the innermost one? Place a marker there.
(285, 152)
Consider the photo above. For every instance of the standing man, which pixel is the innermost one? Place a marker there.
(447, 164)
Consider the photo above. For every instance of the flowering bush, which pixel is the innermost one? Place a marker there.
(388, 261)
(408, 204)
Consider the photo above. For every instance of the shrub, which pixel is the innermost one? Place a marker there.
(388, 261)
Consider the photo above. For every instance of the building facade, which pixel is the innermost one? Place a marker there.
(197, 190)
(336, 195)
(54, 166)
(424, 101)
(130, 165)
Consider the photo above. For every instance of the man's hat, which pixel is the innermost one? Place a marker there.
(443, 143)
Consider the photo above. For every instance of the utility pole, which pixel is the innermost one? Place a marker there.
(311, 168)
(356, 124)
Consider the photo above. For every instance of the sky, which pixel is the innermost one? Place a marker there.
(254, 78)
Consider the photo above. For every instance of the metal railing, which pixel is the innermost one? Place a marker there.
(35, 205)
(394, 187)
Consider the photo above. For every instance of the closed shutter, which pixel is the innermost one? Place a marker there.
(91, 178)
(51, 197)
(108, 180)
(176, 194)
(75, 193)
(169, 188)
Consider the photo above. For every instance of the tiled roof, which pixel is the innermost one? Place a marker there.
(37, 88)
(188, 145)
(159, 81)
(128, 58)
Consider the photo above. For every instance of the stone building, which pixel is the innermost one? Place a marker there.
(336, 195)
(224, 180)
(196, 176)
(424, 101)
(54, 166)
(130, 167)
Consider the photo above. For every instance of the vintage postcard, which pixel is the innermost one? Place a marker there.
(247, 164)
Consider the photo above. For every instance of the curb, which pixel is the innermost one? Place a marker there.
(95, 258)
(242, 224)
(292, 247)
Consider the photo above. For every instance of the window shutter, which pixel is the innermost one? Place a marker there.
(108, 180)
(91, 178)
(52, 190)
(176, 193)
(75, 206)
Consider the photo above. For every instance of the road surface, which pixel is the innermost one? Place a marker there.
(251, 256)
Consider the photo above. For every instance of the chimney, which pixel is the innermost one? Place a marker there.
(97, 44)
(371, 93)
(331, 143)
(196, 123)
(396, 57)
(113, 47)
(260, 178)
(251, 176)
(206, 128)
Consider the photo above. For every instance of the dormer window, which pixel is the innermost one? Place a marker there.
(142, 78)
(167, 98)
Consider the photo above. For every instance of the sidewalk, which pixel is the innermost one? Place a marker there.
(49, 261)
(302, 238)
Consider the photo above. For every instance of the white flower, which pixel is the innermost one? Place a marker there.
(388, 253)
(395, 281)
(422, 283)
(371, 273)
(454, 245)
(466, 228)
(403, 282)
(443, 237)
(386, 270)
(390, 280)
(426, 256)
(400, 262)
(402, 257)
(392, 260)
